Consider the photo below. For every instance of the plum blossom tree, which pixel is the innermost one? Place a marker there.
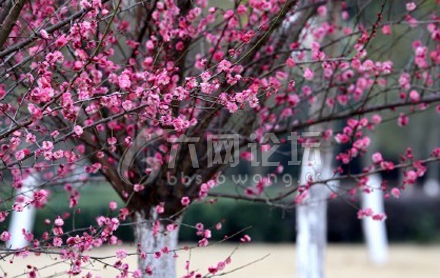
(143, 92)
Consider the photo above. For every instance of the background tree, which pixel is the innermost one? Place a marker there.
(142, 92)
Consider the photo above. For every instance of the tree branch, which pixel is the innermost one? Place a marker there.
(8, 24)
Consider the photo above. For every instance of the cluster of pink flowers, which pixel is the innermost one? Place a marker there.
(368, 212)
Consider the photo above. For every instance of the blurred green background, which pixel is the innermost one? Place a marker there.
(410, 219)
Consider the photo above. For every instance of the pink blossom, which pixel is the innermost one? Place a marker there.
(3, 215)
(293, 99)
(411, 177)
(57, 241)
(377, 157)
(434, 153)
(185, 201)
(342, 138)
(290, 62)
(21, 154)
(94, 168)
(47, 145)
(73, 200)
(404, 81)
(121, 254)
(387, 165)
(224, 65)
(228, 14)
(386, 29)
(149, 45)
(414, 96)
(113, 205)
(248, 36)
(241, 9)
(17, 207)
(30, 138)
(245, 238)
(395, 192)
(112, 140)
(203, 242)
(207, 233)
(124, 81)
(160, 208)
(308, 74)
(172, 227)
(279, 169)
(127, 105)
(212, 270)
(322, 11)
(367, 212)
(355, 64)
(376, 119)
(59, 222)
(379, 217)
(138, 187)
(402, 120)
(199, 226)
(61, 41)
(411, 6)
(362, 144)
(28, 235)
(44, 34)
(40, 198)
(232, 107)
(85, 4)
(78, 130)
(123, 214)
(5, 236)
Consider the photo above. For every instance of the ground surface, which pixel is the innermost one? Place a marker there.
(409, 261)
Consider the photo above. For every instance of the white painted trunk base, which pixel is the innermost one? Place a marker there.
(311, 236)
(375, 232)
(165, 265)
(24, 219)
(312, 215)
(311, 220)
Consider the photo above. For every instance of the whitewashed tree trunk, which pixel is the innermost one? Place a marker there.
(24, 219)
(311, 216)
(149, 243)
(375, 232)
